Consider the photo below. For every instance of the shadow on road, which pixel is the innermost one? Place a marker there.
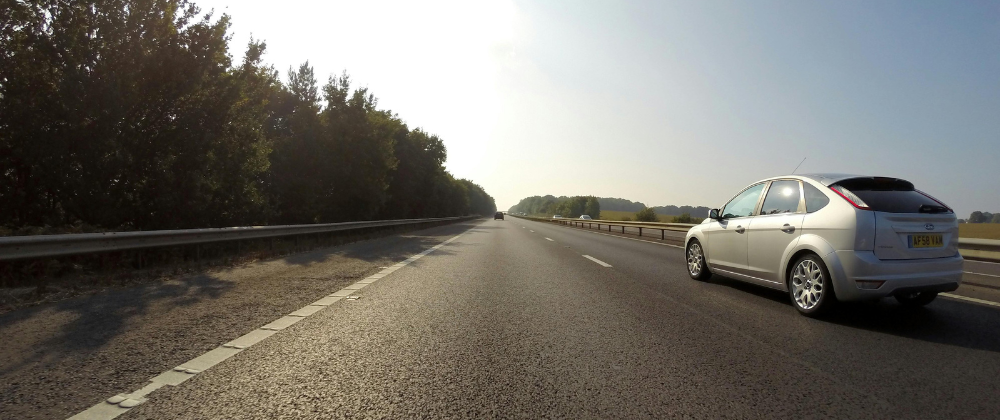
(90, 322)
(396, 248)
(944, 321)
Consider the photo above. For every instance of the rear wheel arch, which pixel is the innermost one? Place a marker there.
(815, 244)
(790, 263)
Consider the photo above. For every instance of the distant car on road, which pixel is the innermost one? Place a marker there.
(586, 217)
(557, 216)
(498, 215)
(829, 237)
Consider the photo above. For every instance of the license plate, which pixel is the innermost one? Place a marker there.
(926, 241)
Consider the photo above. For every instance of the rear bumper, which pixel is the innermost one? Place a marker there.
(900, 276)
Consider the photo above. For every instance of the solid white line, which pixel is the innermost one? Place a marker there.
(122, 403)
(549, 239)
(984, 302)
(982, 274)
(983, 262)
(597, 260)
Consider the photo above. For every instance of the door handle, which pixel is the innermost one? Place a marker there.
(787, 228)
(740, 229)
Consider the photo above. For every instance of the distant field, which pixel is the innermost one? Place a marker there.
(618, 215)
(979, 230)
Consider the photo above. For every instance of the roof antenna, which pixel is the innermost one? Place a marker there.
(797, 167)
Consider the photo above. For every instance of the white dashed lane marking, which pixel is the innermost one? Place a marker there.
(597, 261)
(549, 239)
(982, 274)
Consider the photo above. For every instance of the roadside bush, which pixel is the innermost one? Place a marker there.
(684, 218)
(646, 215)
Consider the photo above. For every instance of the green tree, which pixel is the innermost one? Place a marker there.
(977, 217)
(298, 173)
(996, 218)
(130, 114)
(646, 215)
(593, 208)
(124, 114)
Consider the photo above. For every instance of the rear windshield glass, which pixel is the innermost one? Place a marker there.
(892, 195)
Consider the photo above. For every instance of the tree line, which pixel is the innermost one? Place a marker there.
(131, 114)
(565, 206)
(983, 217)
(549, 205)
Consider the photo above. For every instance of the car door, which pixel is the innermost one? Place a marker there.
(777, 226)
(727, 239)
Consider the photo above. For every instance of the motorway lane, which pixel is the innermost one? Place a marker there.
(981, 279)
(938, 361)
(504, 322)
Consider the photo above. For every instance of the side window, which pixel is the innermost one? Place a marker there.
(815, 199)
(782, 197)
(744, 204)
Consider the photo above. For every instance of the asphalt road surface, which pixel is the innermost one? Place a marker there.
(526, 319)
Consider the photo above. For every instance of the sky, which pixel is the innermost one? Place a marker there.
(667, 102)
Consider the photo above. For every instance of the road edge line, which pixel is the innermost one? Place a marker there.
(117, 405)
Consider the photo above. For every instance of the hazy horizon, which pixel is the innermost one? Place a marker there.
(667, 103)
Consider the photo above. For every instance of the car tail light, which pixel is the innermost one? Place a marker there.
(869, 284)
(850, 197)
(938, 201)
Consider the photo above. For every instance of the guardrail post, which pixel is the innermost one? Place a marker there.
(640, 232)
(623, 229)
(663, 234)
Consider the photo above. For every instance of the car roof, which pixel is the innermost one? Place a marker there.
(825, 179)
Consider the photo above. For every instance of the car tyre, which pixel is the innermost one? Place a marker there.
(916, 299)
(810, 286)
(695, 256)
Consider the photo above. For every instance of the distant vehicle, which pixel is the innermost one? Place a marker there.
(829, 237)
(557, 216)
(498, 215)
(586, 217)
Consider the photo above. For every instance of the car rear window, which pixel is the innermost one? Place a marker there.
(892, 195)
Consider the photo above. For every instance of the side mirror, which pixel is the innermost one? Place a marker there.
(714, 215)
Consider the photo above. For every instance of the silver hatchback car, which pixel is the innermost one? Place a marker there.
(829, 237)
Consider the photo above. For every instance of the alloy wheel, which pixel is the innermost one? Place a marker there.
(695, 259)
(808, 284)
